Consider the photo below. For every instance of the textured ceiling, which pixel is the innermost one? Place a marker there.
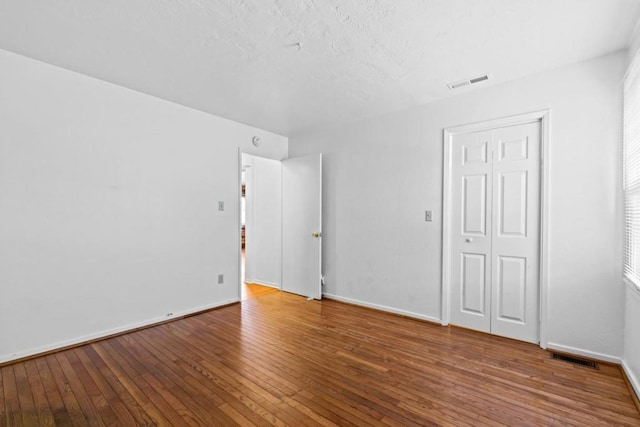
(291, 65)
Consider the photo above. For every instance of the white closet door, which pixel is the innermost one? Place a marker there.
(471, 231)
(495, 231)
(516, 232)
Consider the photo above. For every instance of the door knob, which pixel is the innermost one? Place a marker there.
(316, 234)
(469, 240)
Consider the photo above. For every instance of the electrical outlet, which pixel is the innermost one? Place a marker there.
(427, 216)
(220, 279)
(221, 206)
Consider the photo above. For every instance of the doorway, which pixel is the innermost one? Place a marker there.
(281, 224)
(260, 225)
(493, 248)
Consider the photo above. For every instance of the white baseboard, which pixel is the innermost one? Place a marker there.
(586, 353)
(383, 308)
(262, 283)
(98, 335)
(633, 379)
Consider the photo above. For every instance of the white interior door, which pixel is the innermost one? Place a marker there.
(516, 232)
(495, 231)
(302, 225)
(471, 237)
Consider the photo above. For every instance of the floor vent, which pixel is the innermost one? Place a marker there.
(575, 360)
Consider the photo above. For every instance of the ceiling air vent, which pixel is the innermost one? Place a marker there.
(468, 82)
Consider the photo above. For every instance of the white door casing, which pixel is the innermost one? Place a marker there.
(302, 225)
(492, 231)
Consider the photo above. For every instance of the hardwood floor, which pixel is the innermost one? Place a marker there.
(282, 360)
(253, 290)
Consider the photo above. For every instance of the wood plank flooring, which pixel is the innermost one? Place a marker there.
(253, 290)
(282, 360)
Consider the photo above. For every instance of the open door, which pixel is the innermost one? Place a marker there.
(302, 225)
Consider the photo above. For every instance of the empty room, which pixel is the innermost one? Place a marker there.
(320, 212)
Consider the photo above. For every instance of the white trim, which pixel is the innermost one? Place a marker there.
(501, 122)
(262, 283)
(545, 237)
(635, 289)
(121, 329)
(585, 353)
(635, 382)
(382, 308)
(446, 228)
(535, 116)
(239, 226)
(320, 230)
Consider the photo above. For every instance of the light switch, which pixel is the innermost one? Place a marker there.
(427, 215)
(221, 206)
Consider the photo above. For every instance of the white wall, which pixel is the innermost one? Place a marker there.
(264, 221)
(108, 207)
(381, 174)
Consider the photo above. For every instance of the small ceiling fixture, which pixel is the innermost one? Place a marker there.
(255, 141)
(468, 82)
(296, 44)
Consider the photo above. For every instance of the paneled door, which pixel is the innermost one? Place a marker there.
(495, 231)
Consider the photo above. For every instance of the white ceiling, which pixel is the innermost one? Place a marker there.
(240, 59)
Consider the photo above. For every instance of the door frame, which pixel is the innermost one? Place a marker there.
(239, 226)
(541, 116)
